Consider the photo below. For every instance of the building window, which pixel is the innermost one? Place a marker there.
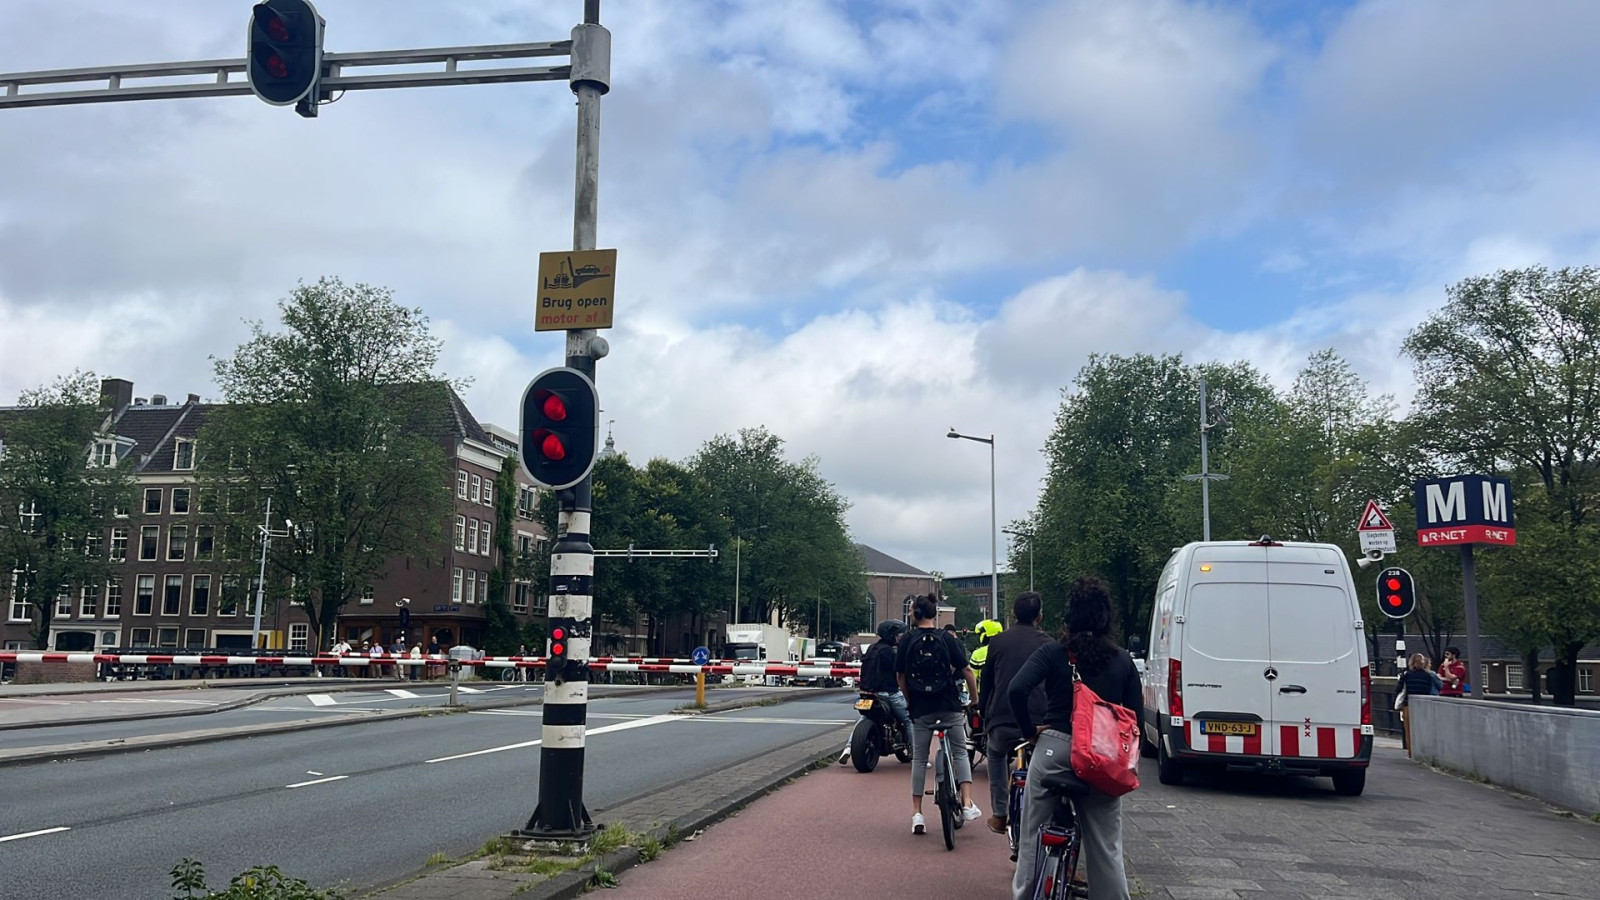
(1585, 680)
(167, 637)
(19, 608)
(253, 595)
(205, 501)
(105, 454)
(299, 635)
(1513, 677)
(114, 598)
(119, 544)
(180, 501)
(200, 596)
(519, 598)
(149, 541)
(485, 544)
(455, 586)
(461, 484)
(89, 602)
(63, 605)
(152, 501)
(205, 542)
(177, 542)
(483, 590)
(194, 638)
(172, 596)
(183, 455)
(228, 597)
(367, 596)
(144, 595)
(139, 637)
(488, 492)
(471, 593)
(541, 603)
(472, 536)
(461, 532)
(477, 489)
(95, 544)
(527, 502)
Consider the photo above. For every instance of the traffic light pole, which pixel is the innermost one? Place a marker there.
(560, 812)
(1469, 603)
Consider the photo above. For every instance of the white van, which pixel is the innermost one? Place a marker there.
(1258, 662)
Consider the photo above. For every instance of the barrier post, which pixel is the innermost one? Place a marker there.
(700, 687)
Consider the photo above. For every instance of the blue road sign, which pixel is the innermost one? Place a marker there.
(701, 656)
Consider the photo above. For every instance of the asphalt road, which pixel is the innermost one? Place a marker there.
(364, 805)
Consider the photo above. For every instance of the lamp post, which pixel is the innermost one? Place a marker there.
(1028, 536)
(994, 537)
(738, 555)
(267, 534)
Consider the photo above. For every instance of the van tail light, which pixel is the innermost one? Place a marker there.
(1175, 687)
(1366, 695)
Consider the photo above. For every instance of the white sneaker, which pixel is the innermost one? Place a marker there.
(971, 812)
(917, 825)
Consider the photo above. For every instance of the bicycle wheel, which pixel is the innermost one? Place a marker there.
(944, 795)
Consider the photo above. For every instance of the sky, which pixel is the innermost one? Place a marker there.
(857, 224)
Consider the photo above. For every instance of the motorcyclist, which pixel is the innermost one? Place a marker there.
(985, 630)
(878, 675)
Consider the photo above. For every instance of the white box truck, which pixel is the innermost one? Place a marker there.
(757, 642)
(1258, 662)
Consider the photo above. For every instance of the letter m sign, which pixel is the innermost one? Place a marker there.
(1464, 509)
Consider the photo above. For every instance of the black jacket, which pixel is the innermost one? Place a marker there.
(1418, 681)
(1117, 683)
(1008, 650)
(877, 669)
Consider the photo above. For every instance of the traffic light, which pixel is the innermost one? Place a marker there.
(284, 62)
(560, 427)
(560, 634)
(1397, 593)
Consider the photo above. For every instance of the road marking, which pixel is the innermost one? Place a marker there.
(317, 781)
(401, 693)
(466, 690)
(160, 700)
(321, 699)
(621, 726)
(29, 834)
(721, 720)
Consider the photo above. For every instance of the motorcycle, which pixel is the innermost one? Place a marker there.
(878, 734)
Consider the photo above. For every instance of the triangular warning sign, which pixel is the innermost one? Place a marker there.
(1373, 519)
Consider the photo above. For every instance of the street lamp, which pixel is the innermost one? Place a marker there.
(994, 538)
(267, 534)
(1027, 535)
(738, 555)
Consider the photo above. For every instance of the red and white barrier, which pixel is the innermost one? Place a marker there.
(817, 668)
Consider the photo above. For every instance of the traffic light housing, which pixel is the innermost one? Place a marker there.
(284, 58)
(1397, 593)
(560, 427)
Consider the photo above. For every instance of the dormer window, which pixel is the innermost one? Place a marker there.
(105, 454)
(183, 455)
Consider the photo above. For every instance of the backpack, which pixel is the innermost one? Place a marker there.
(928, 664)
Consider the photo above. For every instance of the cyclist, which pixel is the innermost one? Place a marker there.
(1109, 671)
(1006, 653)
(929, 662)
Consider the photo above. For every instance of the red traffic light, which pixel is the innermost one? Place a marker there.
(275, 26)
(557, 649)
(1395, 599)
(552, 447)
(275, 66)
(558, 634)
(555, 407)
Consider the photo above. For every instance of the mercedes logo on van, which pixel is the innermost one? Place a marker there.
(1271, 674)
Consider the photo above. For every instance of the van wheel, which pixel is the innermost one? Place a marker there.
(1350, 784)
(1168, 770)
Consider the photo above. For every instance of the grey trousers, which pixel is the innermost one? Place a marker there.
(1002, 741)
(1099, 819)
(955, 726)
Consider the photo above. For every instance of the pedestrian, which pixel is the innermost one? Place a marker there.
(522, 651)
(416, 654)
(1452, 674)
(374, 651)
(1086, 648)
(399, 652)
(341, 648)
(929, 663)
(1006, 652)
(1416, 681)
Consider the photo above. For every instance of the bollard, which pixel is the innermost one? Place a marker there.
(455, 679)
(700, 687)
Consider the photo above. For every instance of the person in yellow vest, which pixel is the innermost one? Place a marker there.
(985, 630)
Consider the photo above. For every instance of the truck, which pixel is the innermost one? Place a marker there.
(757, 641)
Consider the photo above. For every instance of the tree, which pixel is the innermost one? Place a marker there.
(1508, 379)
(57, 495)
(342, 422)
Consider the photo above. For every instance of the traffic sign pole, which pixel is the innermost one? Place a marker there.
(1469, 604)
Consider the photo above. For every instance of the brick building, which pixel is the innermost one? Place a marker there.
(177, 584)
(890, 581)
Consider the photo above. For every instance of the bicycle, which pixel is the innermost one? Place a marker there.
(946, 795)
(1017, 791)
(1055, 866)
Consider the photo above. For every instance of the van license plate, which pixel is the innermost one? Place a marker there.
(1248, 729)
(863, 704)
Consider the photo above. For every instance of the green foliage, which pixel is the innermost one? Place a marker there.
(258, 883)
(340, 420)
(57, 494)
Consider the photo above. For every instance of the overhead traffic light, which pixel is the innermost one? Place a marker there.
(560, 427)
(284, 61)
(1397, 593)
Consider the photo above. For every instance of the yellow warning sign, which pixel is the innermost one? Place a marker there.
(576, 289)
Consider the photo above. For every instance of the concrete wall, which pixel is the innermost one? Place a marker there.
(1550, 752)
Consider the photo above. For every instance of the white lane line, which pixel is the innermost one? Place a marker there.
(720, 720)
(162, 700)
(317, 781)
(540, 714)
(401, 693)
(29, 834)
(338, 711)
(620, 726)
(466, 690)
(321, 699)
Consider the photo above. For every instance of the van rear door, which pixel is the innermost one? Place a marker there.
(1316, 691)
(1226, 649)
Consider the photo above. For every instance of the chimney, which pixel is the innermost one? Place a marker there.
(158, 399)
(116, 393)
(139, 401)
(193, 400)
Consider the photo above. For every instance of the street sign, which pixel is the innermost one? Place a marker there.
(1375, 530)
(576, 290)
(702, 656)
(1377, 540)
(1464, 509)
(1373, 519)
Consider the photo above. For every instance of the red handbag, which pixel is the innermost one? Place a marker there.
(1105, 741)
